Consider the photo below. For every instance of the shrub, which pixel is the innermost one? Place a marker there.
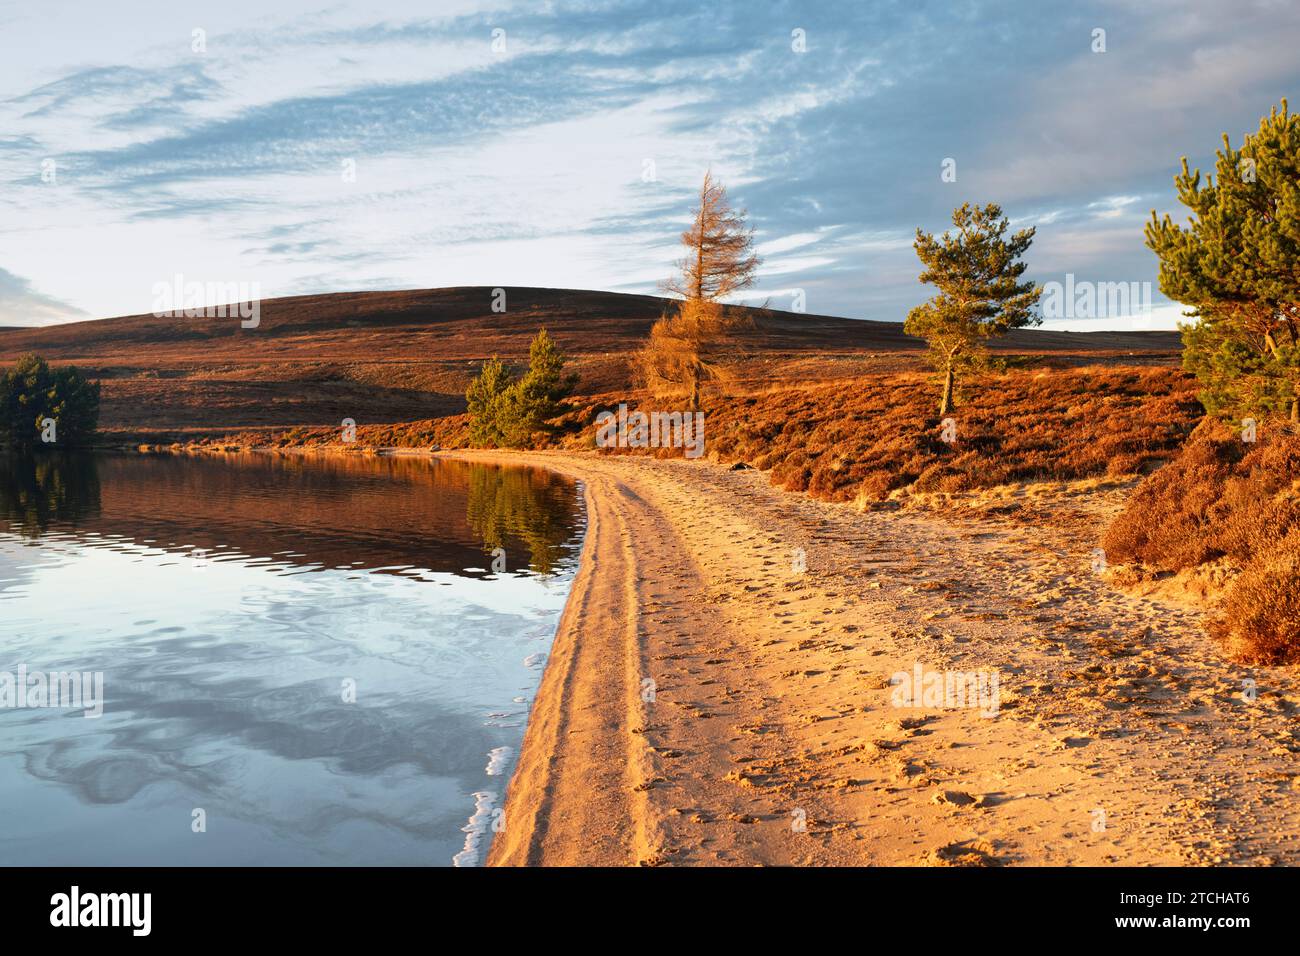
(1261, 621)
(1167, 521)
(33, 394)
(1223, 498)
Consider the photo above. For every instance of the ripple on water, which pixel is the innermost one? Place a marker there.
(273, 652)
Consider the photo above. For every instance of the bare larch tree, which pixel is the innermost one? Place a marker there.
(720, 260)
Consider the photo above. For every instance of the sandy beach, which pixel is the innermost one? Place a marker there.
(708, 700)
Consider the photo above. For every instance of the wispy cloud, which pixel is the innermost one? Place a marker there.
(320, 149)
(20, 304)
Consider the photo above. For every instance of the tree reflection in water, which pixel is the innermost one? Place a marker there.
(530, 505)
(37, 490)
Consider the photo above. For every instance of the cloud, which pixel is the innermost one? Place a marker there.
(152, 97)
(570, 156)
(20, 304)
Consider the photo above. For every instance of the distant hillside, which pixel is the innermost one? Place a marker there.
(459, 323)
(382, 357)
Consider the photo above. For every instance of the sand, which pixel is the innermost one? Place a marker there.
(707, 702)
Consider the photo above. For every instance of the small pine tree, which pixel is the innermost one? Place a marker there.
(485, 395)
(515, 414)
(1234, 263)
(977, 270)
(537, 398)
(31, 392)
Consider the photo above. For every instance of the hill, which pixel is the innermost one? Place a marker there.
(388, 357)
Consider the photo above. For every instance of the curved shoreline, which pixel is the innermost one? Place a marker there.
(577, 794)
(707, 703)
(588, 705)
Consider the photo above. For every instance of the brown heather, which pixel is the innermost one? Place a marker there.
(868, 438)
(864, 438)
(1261, 620)
(1223, 498)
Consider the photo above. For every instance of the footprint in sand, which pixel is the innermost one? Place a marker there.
(952, 798)
(965, 853)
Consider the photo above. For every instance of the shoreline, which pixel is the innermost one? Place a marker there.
(586, 706)
(590, 665)
(770, 733)
(707, 702)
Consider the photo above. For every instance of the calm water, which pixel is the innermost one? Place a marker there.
(314, 653)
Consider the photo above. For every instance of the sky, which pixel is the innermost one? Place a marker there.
(301, 147)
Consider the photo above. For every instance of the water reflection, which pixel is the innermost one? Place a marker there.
(227, 600)
(37, 490)
(507, 504)
(353, 511)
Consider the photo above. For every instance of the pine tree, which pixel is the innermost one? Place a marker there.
(514, 414)
(977, 272)
(31, 392)
(1237, 265)
(485, 396)
(530, 404)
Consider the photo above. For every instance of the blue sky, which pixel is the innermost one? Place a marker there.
(567, 155)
